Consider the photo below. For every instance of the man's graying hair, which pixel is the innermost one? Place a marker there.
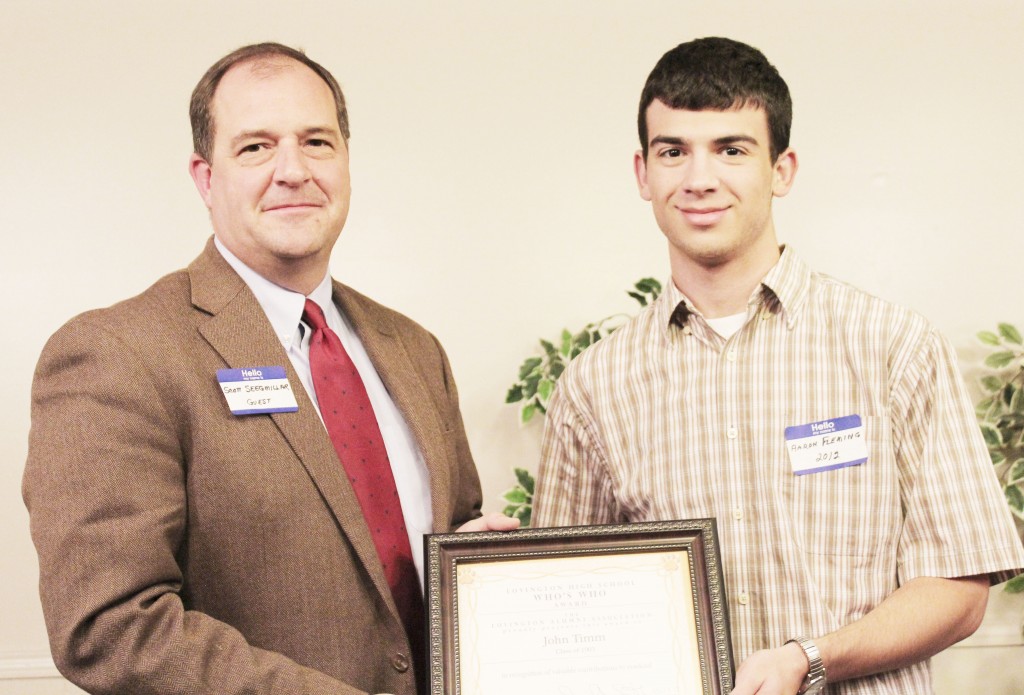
(200, 109)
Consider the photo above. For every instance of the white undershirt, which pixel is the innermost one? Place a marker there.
(726, 326)
(284, 311)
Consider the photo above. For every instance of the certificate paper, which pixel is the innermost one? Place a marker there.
(622, 609)
(586, 624)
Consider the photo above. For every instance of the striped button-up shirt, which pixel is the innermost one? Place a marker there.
(665, 419)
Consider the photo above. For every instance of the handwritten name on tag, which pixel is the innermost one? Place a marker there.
(826, 445)
(257, 390)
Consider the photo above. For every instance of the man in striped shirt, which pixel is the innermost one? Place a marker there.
(827, 431)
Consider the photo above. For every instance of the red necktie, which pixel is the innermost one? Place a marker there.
(352, 426)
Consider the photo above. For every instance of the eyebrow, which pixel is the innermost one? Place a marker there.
(269, 135)
(718, 142)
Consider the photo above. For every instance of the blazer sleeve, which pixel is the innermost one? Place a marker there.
(467, 498)
(105, 487)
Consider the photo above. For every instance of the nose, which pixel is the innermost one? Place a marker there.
(291, 168)
(699, 176)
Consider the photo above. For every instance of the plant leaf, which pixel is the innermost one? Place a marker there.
(527, 413)
(525, 479)
(997, 458)
(529, 365)
(993, 437)
(516, 495)
(566, 342)
(1005, 431)
(514, 395)
(544, 389)
(983, 406)
(646, 285)
(1017, 400)
(991, 384)
(649, 286)
(994, 411)
(1016, 473)
(1010, 333)
(549, 348)
(638, 297)
(556, 368)
(1015, 498)
(989, 338)
(1015, 585)
(998, 360)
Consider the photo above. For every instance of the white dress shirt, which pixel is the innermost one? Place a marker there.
(284, 310)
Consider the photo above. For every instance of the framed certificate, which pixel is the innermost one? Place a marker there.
(631, 609)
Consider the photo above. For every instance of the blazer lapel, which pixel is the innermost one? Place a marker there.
(240, 332)
(397, 369)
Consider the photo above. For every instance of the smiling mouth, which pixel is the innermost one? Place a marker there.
(287, 207)
(704, 217)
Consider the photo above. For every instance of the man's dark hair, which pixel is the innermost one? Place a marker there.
(719, 74)
(200, 108)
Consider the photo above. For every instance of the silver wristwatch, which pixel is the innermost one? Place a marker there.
(814, 682)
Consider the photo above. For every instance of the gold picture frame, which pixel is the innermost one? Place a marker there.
(624, 608)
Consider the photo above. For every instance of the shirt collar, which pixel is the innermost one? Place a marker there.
(674, 308)
(283, 307)
(786, 286)
(783, 290)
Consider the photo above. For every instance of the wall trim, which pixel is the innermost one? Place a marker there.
(30, 667)
(23, 667)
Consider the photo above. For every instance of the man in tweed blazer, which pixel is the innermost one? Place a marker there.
(184, 548)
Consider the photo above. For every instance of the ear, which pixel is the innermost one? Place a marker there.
(640, 169)
(201, 173)
(784, 173)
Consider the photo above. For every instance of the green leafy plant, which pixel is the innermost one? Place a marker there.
(537, 378)
(1001, 417)
(520, 497)
(538, 374)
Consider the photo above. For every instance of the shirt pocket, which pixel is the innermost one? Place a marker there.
(853, 511)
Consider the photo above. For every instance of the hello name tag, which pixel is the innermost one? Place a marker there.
(257, 390)
(826, 445)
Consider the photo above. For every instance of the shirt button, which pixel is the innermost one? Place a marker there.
(686, 330)
(731, 355)
(731, 433)
(744, 598)
(737, 514)
(400, 662)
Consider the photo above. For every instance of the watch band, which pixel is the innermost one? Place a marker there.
(814, 682)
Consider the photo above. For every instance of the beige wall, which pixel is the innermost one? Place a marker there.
(493, 194)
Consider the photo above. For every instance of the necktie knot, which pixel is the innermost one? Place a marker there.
(314, 315)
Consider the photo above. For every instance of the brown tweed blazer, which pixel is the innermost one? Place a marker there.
(183, 549)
